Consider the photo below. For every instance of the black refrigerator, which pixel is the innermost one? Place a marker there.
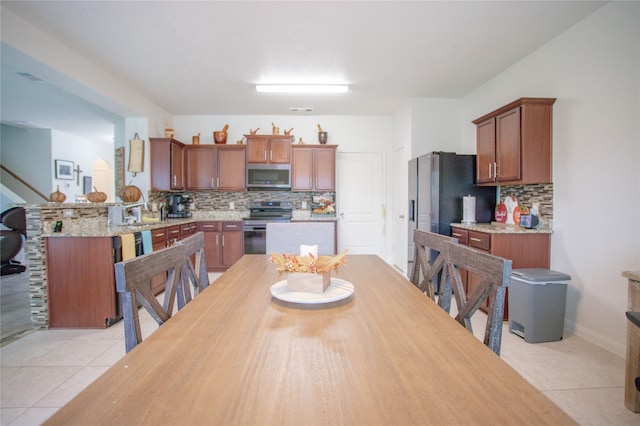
(437, 183)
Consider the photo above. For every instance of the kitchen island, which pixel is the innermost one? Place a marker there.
(385, 355)
(78, 282)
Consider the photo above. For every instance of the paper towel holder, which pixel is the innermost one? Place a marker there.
(468, 210)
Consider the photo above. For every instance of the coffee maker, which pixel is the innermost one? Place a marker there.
(179, 206)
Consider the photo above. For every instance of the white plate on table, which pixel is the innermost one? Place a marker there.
(337, 290)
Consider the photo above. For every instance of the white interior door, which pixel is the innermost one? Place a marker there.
(399, 210)
(360, 203)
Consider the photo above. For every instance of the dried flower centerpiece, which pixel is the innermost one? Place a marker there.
(308, 273)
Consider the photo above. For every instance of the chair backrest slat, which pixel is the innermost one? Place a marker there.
(194, 274)
(133, 278)
(495, 273)
(424, 242)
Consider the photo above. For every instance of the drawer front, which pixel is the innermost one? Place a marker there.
(173, 233)
(461, 234)
(480, 240)
(158, 237)
(209, 226)
(232, 226)
(188, 229)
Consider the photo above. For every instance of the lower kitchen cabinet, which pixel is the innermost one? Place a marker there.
(81, 278)
(223, 243)
(524, 249)
(81, 282)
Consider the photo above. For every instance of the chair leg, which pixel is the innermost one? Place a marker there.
(132, 333)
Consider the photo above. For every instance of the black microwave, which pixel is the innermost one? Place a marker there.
(268, 176)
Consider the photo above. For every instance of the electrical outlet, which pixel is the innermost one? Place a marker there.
(232, 205)
(67, 213)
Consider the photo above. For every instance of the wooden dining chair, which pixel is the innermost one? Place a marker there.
(425, 273)
(194, 275)
(133, 282)
(495, 273)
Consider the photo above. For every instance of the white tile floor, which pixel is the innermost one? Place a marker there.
(45, 369)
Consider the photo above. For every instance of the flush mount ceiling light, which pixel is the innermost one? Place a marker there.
(302, 88)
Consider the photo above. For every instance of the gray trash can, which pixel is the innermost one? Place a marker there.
(537, 299)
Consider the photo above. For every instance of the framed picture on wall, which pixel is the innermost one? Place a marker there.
(64, 169)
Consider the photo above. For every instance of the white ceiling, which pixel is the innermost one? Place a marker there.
(205, 57)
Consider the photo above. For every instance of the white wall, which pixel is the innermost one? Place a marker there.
(593, 71)
(83, 153)
(32, 147)
(435, 126)
(77, 75)
(351, 133)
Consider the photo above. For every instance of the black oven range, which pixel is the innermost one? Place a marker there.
(255, 226)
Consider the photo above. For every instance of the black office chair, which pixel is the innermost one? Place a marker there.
(634, 317)
(12, 240)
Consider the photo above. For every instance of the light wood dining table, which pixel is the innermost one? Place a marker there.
(235, 355)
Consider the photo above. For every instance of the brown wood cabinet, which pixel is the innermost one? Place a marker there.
(223, 243)
(81, 278)
(313, 168)
(215, 167)
(81, 282)
(514, 143)
(167, 164)
(275, 149)
(525, 250)
(201, 167)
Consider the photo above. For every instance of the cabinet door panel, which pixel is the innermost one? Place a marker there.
(508, 145)
(280, 150)
(232, 248)
(201, 168)
(212, 249)
(302, 169)
(177, 166)
(486, 143)
(325, 163)
(257, 150)
(231, 169)
(160, 160)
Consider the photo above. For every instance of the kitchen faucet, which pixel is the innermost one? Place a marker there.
(116, 213)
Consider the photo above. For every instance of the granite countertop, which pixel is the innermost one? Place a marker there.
(495, 228)
(97, 227)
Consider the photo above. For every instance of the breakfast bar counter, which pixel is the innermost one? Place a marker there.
(385, 355)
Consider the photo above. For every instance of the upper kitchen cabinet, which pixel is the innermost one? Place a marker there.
(313, 168)
(274, 149)
(215, 167)
(514, 143)
(167, 164)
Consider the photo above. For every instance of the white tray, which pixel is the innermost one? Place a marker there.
(337, 290)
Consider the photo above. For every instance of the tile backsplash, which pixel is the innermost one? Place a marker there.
(528, 194)
(241, 199)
